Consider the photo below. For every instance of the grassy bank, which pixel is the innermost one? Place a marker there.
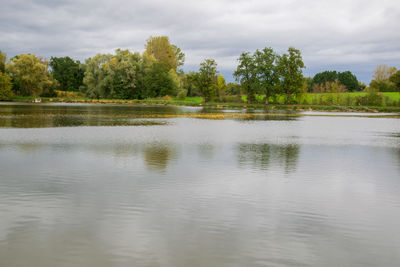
(345, 102)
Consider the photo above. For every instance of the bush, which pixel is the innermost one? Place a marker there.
(68, 94)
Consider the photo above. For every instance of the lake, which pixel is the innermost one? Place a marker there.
(124, 185)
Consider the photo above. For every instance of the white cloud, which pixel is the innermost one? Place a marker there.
(353, 35)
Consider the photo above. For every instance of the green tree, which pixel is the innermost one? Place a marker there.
(246, 75)
(322, 78)
(191, 84)
(233, 88)
(265, 68)
(5, 86)
(119, 76)
(158, 82)
(30, 74)
(349, 80)
(179, 55)
(221, 86)
(207, 79)
(94, 75)
(67, 72)
(395, 79)
(3, 59)
(290, 68)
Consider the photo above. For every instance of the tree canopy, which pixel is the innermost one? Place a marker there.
(30, 74)
(67, 72)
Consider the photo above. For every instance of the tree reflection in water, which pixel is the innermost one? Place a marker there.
(264, 156)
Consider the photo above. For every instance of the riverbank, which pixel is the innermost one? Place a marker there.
(197, 102)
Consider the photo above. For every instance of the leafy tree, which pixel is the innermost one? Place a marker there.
(207, 79)
(383, 73)
(265, 68)
(324, 77)
(395, 79)
(221, 86)
(116, 76)
(3, 59)
(381, 81)
(349, 80)
(5, 86)
(290, 68)
(67, 72)
(246, 75)
(191, 84)
(159, 82)
(179, 55)
(160, 48)
(233, 88)
(30, 74)
(94, 75)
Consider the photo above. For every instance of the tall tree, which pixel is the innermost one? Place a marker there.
(160, 48)
(207, 79)
(67, 72)
(290, 68)
(246, 75)
(179, 55)
(5, 86)
(265, 67)
(381, 79)
(383, 72)
(3, 59)
(221, 86)
(30, 74)
(158, 81)
(395, 79)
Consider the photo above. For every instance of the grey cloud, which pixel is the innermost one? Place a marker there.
(355, 35)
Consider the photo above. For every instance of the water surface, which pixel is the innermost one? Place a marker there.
(122, 185)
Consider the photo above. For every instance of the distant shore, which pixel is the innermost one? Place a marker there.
(222, 105)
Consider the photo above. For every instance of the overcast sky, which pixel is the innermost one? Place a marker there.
(339, 35)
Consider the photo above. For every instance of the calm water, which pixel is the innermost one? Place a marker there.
(110, 185)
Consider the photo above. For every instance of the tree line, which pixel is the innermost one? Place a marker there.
(157, 72)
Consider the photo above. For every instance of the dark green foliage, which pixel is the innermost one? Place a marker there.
(349, 80)
(5, 86)
(207, 79)
(383, 86)
(265, 68)
(233, 89)
(246, 75)
(395, 79)
(346, 78)
(324, 77)
(3, 59)
(191, 84)
(158, 82)
(67, 72)
(290, 69)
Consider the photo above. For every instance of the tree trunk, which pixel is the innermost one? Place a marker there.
(266, 100)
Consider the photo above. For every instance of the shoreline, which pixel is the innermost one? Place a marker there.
(218, 105)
